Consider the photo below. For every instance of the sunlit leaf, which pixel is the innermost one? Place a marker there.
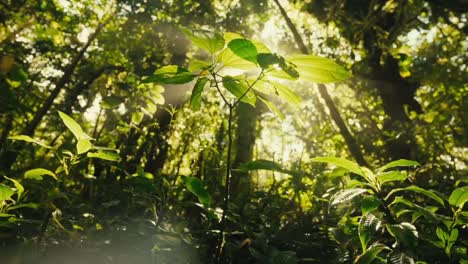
(73, 126)
(404, 233)
(278, 89)
(391, 176)
(459, 197)
(244, 48)
(36, 174)
(83, 145)
(195, 186)
(29, 139)
(370, 255)
(5, 192)
(19, 187)
(274, 62)
(110, 102)
(369, 203)
(416, 208)
(170, 74)
(261, 164)
(341, 162)
(209, 41)
(319, 70)
(420, 190)
(271, 106)
(104, 155)
(398, 163)
(369, 224)
(196, 98)
(345, 196)
(197, 65)
(238, 88)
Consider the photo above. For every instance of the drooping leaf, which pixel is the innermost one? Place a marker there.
(196, 98)
(341, 162)
(271, 106)
(398, 163)
(170, 74)
(209, 41)
(275, 63)
(110, 102)
(36, 174)
(419, 190)
(239, 89)
(404, 233)
(104, 155)
(346, 195)
(29, 139)
(24, 205)
(244, 48)
(369, 203)
(319, 70)
(369, 224)
(195, 186)
(5, 192)
(19, 187)
(278, 89)
(459, 197)
(83, 146)
(73, 126)
(197, 65)
(371, 254)
(391, 176)
(261, 164)
(430, 215)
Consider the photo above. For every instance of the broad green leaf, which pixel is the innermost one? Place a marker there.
(83, 145)
(346, 195)
(104, 155)
(419, 190)
(459, 197)
(275, 63)
(73, 126)
(319, 70)
(24, 205)
(278, 89)
(271, 106)
(404, 233)
(391, 176)
(244, 48)
(261, 165)
(196, 98)
(398, 163)
(368, 227)
(238, 88)
(5, 192)
(110, 102)
(29, 139)
(340, 162)
(195, 185)
(397, 257)
(430, 215)
(229, 59)
(441, 234)
(36, 174)
(208, 41)
(369, 256)
(19, 187)
(197, 65)
(170, 74)
(369, 203)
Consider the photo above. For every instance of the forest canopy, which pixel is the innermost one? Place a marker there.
(233, 131)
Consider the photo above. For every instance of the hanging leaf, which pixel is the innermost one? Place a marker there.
(5, 192)
(340, 162)
(345, 196)
(319, 70)
(371, 254)
(238, 88)
(83, 146)
(271, 106)
(404, 233)
(275, 63)
(398, 163)
(104, 155)
(170, 74)
(196, 98)
(430, 215)
(459, 197)
(197, 65)
(195, 186)
(208, 41)
(244, 48)
(36, 174)
(29, 139)
(278, 89)
(73, 126)
(18, 186)
(391, 176)
(420, 190)
(261, 164)
(369, 224)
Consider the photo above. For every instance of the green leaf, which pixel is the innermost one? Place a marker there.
(261, 164)
(36, 174)
(196, 98)
(208, 41)
(391, 176)
(18, 186)
(398, 163)
(340, 162)
(29, 139)
(278, 89)
(369, 256)
(197, 65)
(404, 233)
(195, 186)
(104, 155)
(170, 74)
(430, 215)
(319, 70)
(369, 203)
(5, 192)
(73, 126)
(346, 195)
(275, 63)
(238, 89)
(24, 205)
(111, 102)
(419, 190)
(271, 106)
(244, 48)
(397, 257)
(368, 227)
(459, 197)
(83, 146)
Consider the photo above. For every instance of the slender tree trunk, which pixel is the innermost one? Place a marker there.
(351, 142)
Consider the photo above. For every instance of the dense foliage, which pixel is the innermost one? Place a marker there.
(233, 131)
